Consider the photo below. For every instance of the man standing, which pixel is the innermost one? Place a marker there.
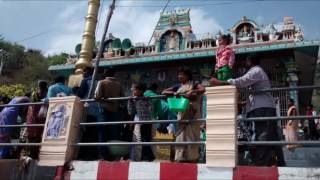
(109, 88)
(93, 114)
(261, 104)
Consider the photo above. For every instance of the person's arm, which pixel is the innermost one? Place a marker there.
(251, 77)
(98, 91)
(199, 89)
(131, 107)
(231, 59)
(216, 82)
(168, 92)
(217, 62)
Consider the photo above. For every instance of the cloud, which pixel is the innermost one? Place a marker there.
(260, 20)
(71, 10)
(203, 23)
(136, 24)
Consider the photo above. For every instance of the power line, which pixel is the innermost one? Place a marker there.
(47, 31)
(154, 1)
(191, 5)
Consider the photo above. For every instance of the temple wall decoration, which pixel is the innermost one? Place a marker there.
(174, 33)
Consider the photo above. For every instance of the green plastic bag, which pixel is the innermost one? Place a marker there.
(178, 104)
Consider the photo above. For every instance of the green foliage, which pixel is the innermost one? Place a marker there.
(35, 68)
(12, 91)
(57, 59)
(23, 66)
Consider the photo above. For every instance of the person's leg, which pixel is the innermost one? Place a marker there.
(180, 150)
(137, 149)
(313, 130)
(101, 117)
(113, 131)
(275, 136)
(263, 154)
(91, 136)
(146, 131)
(193, 134)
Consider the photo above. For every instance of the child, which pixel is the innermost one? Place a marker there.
(224, 58)
(141, 109)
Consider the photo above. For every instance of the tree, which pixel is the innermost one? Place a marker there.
(22, 66)
(57, 59)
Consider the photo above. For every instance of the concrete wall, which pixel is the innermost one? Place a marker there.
(12, 170)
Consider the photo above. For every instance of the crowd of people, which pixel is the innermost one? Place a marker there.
(141, 108)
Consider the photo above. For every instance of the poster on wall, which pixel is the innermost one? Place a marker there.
(58, 118)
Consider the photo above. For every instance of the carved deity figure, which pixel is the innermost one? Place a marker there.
(172, 42)
(299, 35)
(245, 34)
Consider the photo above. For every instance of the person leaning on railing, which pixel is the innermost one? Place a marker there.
(9, 116)
(260, 104)
(187, 131)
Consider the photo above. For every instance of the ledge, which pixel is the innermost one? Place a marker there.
(194, 53)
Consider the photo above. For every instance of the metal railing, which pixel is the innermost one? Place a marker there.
(257, 119)
(104, 124)
(240, 143)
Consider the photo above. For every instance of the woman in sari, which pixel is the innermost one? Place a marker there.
(36, 115)
(187, 131)
(291, 126)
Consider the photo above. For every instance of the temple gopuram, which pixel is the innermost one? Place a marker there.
(288, 59)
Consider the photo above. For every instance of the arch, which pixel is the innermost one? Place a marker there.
(244, 20)
(172, 29)
(171, 40)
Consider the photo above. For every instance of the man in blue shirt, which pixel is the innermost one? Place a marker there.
(59, 89)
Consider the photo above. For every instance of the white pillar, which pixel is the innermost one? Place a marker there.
(221, 145)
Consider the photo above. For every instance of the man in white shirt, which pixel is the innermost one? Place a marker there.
(260, 104)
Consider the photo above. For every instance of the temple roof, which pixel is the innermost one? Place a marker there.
(196, 53)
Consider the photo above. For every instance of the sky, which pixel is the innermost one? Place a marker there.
(55, 26)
